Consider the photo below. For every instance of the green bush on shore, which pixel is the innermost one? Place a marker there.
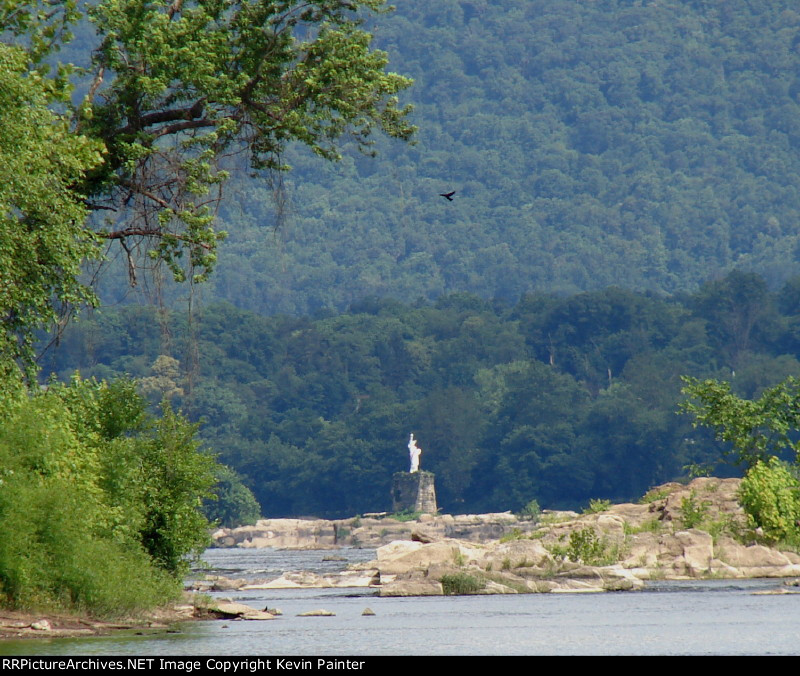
(455, 584)
(99, 501)
(770, 494)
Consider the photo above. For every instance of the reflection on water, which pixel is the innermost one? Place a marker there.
(718, 617)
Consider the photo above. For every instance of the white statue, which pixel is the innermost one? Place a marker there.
(414, 451)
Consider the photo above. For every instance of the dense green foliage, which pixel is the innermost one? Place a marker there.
(98, 500)
(561, 399)
(761, 432)
(190, 81)
(639, 144)
(758, 430)
(770, 494)
(165, 90)
(645, 145)
(233, 504)
(42, 239)
(648, 145)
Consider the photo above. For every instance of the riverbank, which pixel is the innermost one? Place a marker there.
(675, 532)
(192, 607)
(27, 624)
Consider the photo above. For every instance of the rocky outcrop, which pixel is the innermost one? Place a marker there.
(676, 532)
(369, 531)
(23, 625)
(283, 533)
(225, 609)
(521, 566)
(319, 612)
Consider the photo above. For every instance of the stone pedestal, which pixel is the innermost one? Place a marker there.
(414, 492)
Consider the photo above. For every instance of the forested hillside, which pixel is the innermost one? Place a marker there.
(624, 212)
(558, 399)
(651, 145)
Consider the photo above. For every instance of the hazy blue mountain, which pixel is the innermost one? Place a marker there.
(648, 145)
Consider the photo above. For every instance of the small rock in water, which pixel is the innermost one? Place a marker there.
(321, 612)
(273, 611)
(367, 611)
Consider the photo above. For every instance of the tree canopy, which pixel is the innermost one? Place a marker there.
(171, 90)
(43, 239)
(762, 433)
(178, 85)
(757, 429)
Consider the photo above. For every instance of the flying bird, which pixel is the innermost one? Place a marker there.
(448, 195)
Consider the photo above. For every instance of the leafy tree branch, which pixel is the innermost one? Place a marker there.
(173, 89)
(758, 429)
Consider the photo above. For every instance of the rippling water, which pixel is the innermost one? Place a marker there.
(720, 617)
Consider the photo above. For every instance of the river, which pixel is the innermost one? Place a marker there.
(715, 617)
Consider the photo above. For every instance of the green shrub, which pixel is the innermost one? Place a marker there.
(233, 504)
(457, 584)
(515, 534)
(597, 506)
(770, 495)
(725, 525)
(530, 512)
(585, 546)
(558, 551)
(695, 470)
(98, 510)
(653, 525)
(654, 494)
(49, 558)
(405, 516)
(693, 512)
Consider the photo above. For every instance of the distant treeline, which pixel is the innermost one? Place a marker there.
(555, 398)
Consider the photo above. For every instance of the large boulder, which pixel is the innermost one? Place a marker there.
(757, 560)
(414, 587)
(230, 609)
(697, 553)
(399, 558)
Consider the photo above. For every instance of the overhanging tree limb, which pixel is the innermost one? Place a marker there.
(198, 78)
(175, 85)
